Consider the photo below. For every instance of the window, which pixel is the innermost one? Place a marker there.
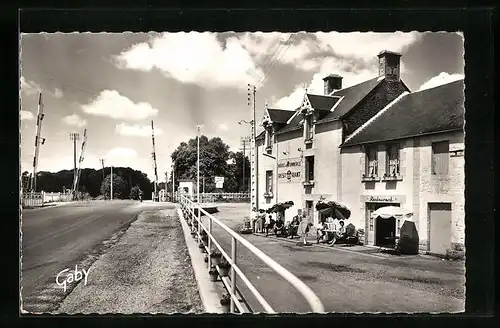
(269, 140)
(269, 182)
(392, 160)
(440, 157)
(309, 168)
(308, 128)
(371, 161)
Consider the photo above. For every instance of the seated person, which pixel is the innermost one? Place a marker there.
(320, 229)
(279, 226)
(269, 224)
(293, 227)
(341, 230)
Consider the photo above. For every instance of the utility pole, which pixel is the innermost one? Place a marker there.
(103, 177)
(254, 159)
(173, 179)
(111, 184)
(38, 141)
(77, 181)
(198, 164)
(244, 142)
(154, 163)
(74, 137)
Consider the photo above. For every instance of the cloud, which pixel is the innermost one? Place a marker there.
(121, 153)
(58, 93)
(29, 87)
(74, 120)
(111, 104)
(442, 78)
(194, 58)
(136, 130)
(223, 127)
(27, 115)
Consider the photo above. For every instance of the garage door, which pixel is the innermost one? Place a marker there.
(440, 227)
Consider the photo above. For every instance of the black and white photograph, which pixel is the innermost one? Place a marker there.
(232, 173)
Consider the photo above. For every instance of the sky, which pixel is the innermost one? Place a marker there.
(113, 85)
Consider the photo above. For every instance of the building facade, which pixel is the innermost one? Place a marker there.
(370, 145)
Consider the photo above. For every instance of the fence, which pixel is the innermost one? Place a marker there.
(32, 199)
(219, 197)
(192, 213)
(49, 197)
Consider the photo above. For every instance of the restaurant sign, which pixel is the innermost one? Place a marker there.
(383, 199)
(290, 170)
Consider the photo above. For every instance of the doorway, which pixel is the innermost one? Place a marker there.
(385, 232)
(439, 227)
(370, 223)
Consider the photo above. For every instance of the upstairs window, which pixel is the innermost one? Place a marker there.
(392, 160)
(308, 128)
(309, 168)
(371, 165)
(269, 140)
(440, 157)
(269, 182)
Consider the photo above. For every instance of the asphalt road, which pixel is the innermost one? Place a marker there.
(345, 280)
(56, 238)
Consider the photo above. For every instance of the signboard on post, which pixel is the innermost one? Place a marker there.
(290, 170)
(219, 182)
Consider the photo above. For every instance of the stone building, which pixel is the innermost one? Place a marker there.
(411, 155)
(371, 145)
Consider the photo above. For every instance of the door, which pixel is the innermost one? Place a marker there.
(439, 227)
(370, 224)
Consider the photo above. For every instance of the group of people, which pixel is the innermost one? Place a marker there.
(335, 226)
(263, 222)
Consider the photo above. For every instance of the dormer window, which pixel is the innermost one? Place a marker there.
(268, 137)
(308, 128)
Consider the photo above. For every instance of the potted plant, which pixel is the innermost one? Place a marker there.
(204, 237)
(213, 274)
(215, 257)
(226, 302)
(206, 259)
(202, 247)
(224, 267)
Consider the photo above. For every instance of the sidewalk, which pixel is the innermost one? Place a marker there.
(147, 271)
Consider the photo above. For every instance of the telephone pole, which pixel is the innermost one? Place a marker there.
(74, 137)
(38, 141)
(111, 183)
(153, 154)
(254, 164)
(244, 142)
(198, 165)
(173, 180)
(77, 181)
(102, 163)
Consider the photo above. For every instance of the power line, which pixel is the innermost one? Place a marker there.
(267, 63)
(273, 66)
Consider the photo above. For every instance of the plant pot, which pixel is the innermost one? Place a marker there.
(214, 260)
(226, 303)
(224, 270)
(206, 259)
(213, 275)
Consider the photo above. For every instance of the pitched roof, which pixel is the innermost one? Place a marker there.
(429, 111)
(322, 102)
(294, 124)
(260, 135)
(280, 115)
(351, 97)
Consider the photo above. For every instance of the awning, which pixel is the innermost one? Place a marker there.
(280, 207)
(392, 212)
(336, 210)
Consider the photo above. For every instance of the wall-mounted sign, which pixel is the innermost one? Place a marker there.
(290, 170)
(457, 153)
(383, 199)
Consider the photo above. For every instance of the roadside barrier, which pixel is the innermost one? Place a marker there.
(193, 212)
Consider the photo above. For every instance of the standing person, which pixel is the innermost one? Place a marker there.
(253, 218)
(304, 227)
(262, 218)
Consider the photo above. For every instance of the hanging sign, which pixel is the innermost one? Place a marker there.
(290, 170)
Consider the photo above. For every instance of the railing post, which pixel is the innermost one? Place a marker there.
(209, 242)
(233, 273)
(199, 222)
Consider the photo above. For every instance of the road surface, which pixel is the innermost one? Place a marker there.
(343, 279)
(56, 238)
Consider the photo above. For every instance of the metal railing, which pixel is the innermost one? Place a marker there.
(219, 197)
(32, 199)
(194, 211)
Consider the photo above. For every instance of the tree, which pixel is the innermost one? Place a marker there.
(134, 192)
(214, 156)
(119, 187)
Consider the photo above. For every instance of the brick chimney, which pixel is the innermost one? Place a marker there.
(332, 83)
(389, 65)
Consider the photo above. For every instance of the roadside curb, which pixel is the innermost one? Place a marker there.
(208, 293)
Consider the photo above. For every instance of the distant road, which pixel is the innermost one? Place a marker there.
(56, 238)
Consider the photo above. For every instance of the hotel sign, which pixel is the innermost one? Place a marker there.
(290, 170)
(383, 199)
